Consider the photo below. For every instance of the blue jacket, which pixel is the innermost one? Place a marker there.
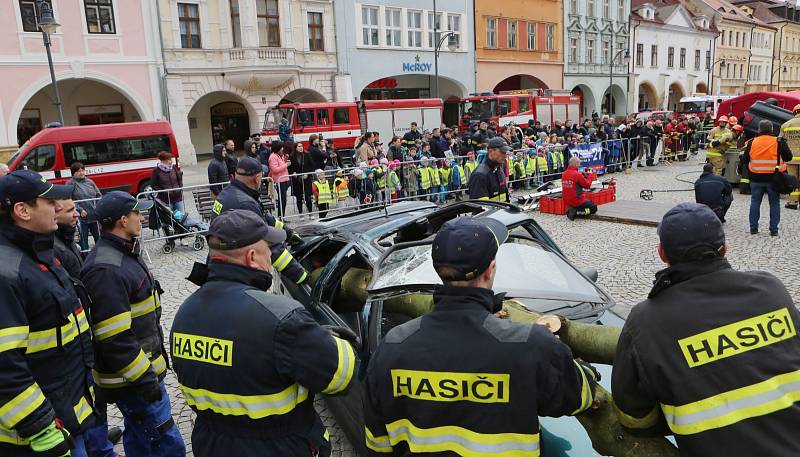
(713, 191)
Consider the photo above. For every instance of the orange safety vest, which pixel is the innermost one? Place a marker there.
(764, 155)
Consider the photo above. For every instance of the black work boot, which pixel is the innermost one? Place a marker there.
(571, 213)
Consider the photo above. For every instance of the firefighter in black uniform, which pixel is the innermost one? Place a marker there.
(712, 356)
(45, 342)
(126, 323)
(243, 193)
(249, 362)
(488, 181)
(460, 381)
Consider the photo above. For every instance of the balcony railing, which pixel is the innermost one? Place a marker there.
(236, 57)
(261, 56)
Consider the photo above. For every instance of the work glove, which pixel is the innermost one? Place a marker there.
(715, 143)
(53, 441)
(591, 372)
(345, 334)
(150, 392)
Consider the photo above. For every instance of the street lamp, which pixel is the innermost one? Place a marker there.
(611, 73)
(722, 64)
(452, 45)
(48, 24)
(779, 78)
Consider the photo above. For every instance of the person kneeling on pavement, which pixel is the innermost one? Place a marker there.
(573, 182)
(713, 191)
(712, 355)
(248, 361)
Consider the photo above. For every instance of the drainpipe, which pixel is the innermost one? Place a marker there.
(165, 73)
(749, 58)
(777, 47)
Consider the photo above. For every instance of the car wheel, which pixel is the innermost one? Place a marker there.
(340, 445)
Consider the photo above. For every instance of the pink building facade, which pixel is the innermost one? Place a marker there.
(107, 62)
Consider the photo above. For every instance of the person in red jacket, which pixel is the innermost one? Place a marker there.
(573, 182)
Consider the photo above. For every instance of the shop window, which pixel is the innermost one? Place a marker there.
(341, 116)
(99, 16)
(100, 114)
(29, 13)
(315, 39)
(268, 23)
(322, 117)
(40, 158)
(189, 21)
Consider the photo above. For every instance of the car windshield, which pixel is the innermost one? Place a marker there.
(17, 154)
(525, 270)
(479, 109)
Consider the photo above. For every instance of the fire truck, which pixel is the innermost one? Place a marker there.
(344, 122)
(520, 106)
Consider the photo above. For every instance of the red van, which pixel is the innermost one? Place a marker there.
(116, 156)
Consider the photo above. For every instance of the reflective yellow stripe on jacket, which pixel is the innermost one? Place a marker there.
(727, 408)
(114, 325)
(501, 197)
(252, 406)
(146, 306)
(127, 375)
(462, 441)
(344, 369)
(41, 340)
(377, 443)
(13, 338)
(283, 260)
(21, 406)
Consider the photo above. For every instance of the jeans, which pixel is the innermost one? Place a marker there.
(84, 228)
(149, 428)
(282, 188)
(757, 190)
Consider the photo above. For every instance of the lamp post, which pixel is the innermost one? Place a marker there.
(611, 72)
(48, 24)
(722, 64)
(452, 45)
(779, 78)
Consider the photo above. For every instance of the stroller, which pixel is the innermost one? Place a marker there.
(176, 225)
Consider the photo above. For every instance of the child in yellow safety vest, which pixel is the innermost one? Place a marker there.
(393, 185)
(436, 180)
(519, 170)
(457, 179)
(381, 171)
(341, 187)
(470, 166)
(444, 180)
(425, 179)
(322, 192)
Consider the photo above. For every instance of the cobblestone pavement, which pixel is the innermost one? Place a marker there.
(624, 255)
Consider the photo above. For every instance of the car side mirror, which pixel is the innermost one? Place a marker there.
(590, 273)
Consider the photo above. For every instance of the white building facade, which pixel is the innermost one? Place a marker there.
(387, 50)
(672, 53)
(229, 61)
(595, 32)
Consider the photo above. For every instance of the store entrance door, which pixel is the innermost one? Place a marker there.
(229, 120)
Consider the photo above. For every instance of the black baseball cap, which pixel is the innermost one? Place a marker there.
(248, 166)
(239, 228)
(498, 143)
(116, 204)
(25, 185)
(468, 245)
(690, 230)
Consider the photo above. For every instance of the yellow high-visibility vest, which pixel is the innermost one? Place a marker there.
(324, 190)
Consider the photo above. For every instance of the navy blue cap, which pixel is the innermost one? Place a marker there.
(248, 166)
(690, 231)
(498, 143)
(239, 228)
(468, 245)
(116, 204)
(25, 185)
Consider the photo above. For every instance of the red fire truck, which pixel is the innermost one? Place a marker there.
(519, 107)
(344, 122)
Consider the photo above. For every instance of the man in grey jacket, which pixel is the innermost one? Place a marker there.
(84, 192)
